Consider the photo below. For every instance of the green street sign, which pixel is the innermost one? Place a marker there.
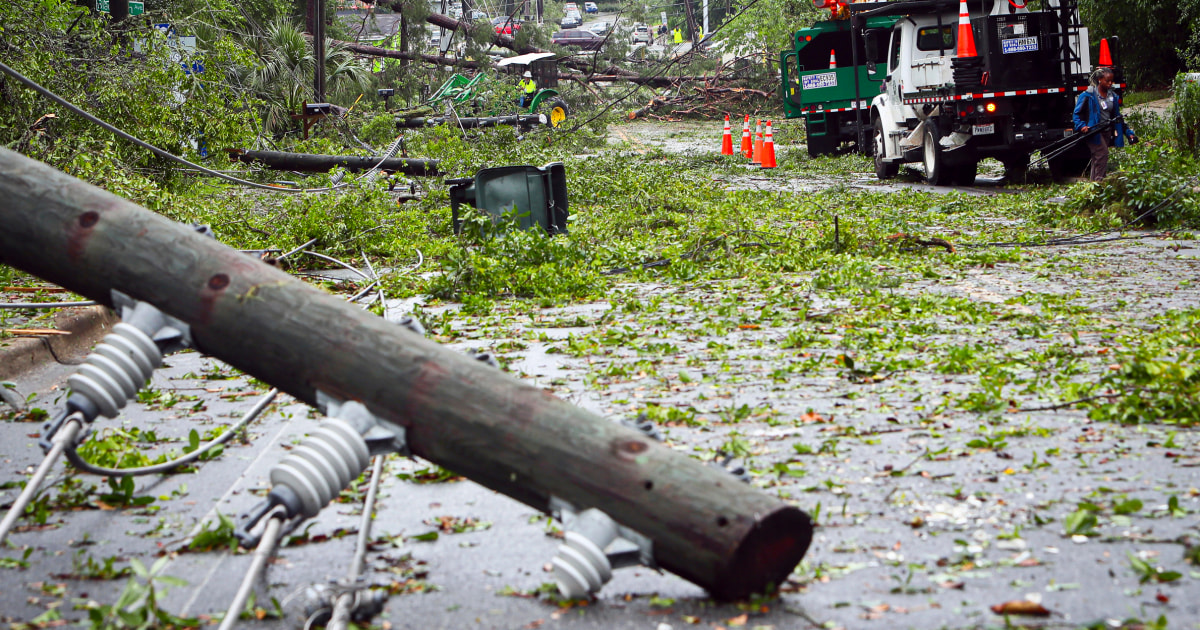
(135, 8)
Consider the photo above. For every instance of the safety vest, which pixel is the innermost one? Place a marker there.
(392, 43)
(528, 85)
(678, 36)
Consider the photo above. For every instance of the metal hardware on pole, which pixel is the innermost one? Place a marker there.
(344, 605)
(66, 435)
(262, 553)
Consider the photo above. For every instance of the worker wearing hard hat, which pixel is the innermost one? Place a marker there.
(528, 87)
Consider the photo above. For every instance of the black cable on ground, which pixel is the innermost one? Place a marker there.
(1082, 239)
(77, 460)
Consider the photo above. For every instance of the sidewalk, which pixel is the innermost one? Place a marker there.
(87, 325)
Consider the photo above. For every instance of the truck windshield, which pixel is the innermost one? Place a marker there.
(928, 38)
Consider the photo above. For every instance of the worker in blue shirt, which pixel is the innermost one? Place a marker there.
(1100, 107)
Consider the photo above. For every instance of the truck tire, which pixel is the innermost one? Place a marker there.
(1016, 168)
(937, 172)
(964, 174)
(883, 170)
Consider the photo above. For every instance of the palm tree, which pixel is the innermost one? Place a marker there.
(283, 77)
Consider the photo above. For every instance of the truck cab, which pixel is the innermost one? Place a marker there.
(920, 50)
(826, 74)
(1008, 94)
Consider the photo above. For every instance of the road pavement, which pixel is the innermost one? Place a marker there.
(929, 515)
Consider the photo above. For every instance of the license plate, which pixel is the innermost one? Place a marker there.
(983, 130)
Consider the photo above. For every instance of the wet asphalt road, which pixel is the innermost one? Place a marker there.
(918, 528)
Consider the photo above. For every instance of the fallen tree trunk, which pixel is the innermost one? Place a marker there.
(375, 51)
(312, 163)
(620, 75)
(663, 81)
(499, 39)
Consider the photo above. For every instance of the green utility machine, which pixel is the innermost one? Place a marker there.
(472, 91)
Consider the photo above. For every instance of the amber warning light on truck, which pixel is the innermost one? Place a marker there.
(834, 6)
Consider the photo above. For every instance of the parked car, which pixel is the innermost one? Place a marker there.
(578, 38)
(571, 20)
(571, 6)
(478, 15)
(599, 28)
(506, 25)
(641, 33)
(590, 7)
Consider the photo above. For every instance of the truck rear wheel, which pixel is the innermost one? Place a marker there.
(1016, 168)
(937, 172)
(1072, 163)
(883, 170)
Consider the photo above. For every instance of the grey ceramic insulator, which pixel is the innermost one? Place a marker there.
(582, 566)
(116, 369)
(323, 465)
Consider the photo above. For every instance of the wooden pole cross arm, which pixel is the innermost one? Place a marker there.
(730, 538)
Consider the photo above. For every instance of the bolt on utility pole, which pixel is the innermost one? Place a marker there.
(731, 539)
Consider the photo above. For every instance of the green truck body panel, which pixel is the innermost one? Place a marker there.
(808, 86)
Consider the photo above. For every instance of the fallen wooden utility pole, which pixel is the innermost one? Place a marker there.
(727, 537)
(313, 163)
(524, 120)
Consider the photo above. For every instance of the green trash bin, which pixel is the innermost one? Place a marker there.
(538, 192)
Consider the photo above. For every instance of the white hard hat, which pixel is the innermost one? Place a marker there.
(528, 74)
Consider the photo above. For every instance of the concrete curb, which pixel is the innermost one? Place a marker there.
(87, 325)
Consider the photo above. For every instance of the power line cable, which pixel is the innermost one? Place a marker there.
(660, 72)
(33, 85)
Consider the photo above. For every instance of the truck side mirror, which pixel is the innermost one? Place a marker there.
(871, 68)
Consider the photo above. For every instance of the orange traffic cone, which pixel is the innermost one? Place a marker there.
(747, 143)
(768, 154)
(758, 144)
(727, 140)
(832, 59)
(1105, 55)
(966, 37)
